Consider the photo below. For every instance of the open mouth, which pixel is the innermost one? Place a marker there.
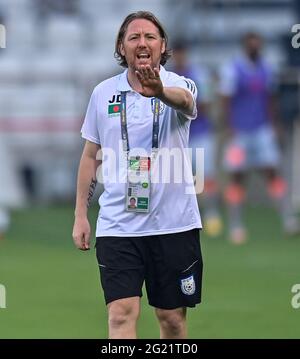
(143, 56)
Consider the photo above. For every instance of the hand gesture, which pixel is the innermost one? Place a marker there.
(150, 81)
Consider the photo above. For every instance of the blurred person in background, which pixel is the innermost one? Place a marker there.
(159, 241)
(247, 90)
(201, 136)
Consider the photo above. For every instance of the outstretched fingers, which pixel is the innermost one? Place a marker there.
(156, 72)
(139, 75)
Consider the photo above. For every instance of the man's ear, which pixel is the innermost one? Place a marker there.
(121, 47)
(163, 46)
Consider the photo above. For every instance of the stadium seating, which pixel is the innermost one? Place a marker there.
(50, 65)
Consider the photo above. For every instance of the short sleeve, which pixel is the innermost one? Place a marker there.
(89, 130)
(189, 85)
(227, 84)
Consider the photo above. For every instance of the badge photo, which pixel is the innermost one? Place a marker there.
(132, 202)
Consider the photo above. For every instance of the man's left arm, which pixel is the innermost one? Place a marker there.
(177, 97)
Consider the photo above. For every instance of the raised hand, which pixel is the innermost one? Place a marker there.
(150, 81)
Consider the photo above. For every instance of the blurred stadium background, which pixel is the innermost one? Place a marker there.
(56, 52)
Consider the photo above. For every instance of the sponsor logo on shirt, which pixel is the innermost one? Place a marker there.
(114, 105)
(162, 106)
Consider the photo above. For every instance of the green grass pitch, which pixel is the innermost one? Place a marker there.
(53, 289)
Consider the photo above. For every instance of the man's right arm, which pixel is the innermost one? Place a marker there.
(86, 184)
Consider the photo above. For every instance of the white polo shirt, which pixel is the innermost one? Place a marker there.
(173, 203)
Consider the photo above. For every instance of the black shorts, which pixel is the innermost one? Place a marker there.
(170, 264)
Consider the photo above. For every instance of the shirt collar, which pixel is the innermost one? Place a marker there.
(123, 84)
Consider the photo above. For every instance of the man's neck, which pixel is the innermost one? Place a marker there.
(253, 58)
(133, 80)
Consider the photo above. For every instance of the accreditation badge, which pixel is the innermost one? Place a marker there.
(138, 184)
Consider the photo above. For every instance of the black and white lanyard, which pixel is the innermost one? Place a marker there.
(124, 131)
